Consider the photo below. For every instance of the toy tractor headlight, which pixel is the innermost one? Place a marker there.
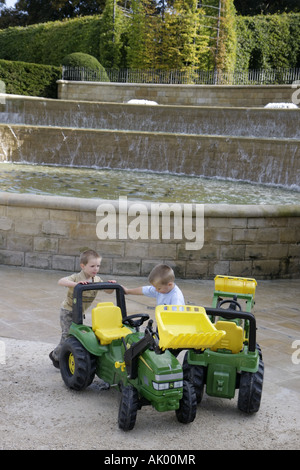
(167, 385)
(178, 384)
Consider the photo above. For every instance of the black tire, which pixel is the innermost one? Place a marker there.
(196, 375)
(77, 365)
(128, 408)
(250, 391)
(186, 412)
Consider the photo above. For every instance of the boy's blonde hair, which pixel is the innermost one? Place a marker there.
(87, 254)
(161, 273)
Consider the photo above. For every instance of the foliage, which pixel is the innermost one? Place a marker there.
(11, 17)
(181, 27)
(112, 36)
(27, 12)
(227, 44)
(144, 37)
(264, 7)
(174, 36)
(79, 60)
(268, 42)
(22, 78)
(49, 43)
(177, 38)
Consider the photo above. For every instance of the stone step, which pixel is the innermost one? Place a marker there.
(251, 122)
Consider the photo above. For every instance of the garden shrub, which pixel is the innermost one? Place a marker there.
(79, 61)
(23, 78)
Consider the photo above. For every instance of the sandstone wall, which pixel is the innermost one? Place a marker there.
(190, 95)
(48, 232)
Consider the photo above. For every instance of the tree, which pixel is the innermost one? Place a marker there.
(112, 34)
(181, 43)
(264, 7)
(143, 38)
(11, 17)
(28, 12)
(227, 41)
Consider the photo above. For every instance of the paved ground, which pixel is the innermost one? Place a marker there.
(39, 412)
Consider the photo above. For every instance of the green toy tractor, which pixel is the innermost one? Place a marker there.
(115, 350)
(235, 361)
(222, 354)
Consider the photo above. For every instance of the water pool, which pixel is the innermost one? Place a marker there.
(137, 185)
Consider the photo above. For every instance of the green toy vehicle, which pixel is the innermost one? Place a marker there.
(115, 350)
(235, 361)
(222, 353)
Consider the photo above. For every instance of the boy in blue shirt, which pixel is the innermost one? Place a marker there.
(163, 287)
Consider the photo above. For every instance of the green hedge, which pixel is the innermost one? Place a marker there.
(22, 78)
(268, 42)
(48, 43)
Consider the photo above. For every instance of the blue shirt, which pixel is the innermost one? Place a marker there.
(174, 297)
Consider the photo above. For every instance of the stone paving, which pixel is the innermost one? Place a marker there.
(39, 412)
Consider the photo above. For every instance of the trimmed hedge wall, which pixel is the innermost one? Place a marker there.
(22, 78)
(48, 43)
(268, 42)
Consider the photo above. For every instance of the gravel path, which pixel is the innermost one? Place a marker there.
(39, 412)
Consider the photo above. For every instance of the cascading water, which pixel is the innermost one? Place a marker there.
(251, 144)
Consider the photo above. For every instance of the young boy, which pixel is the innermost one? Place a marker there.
(90, 264)
(163, 287)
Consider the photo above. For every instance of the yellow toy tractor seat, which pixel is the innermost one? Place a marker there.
(107, 323)
(233, 339)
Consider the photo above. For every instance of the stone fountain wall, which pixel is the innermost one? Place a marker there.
(187, 95)
(48, 232)
(253, 144)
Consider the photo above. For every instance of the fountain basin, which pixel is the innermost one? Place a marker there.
(138, 185)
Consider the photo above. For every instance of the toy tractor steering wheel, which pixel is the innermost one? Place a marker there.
(136, 323)
(231, 301)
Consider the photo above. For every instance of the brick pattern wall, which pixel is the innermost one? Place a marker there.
(49, 232)
(188, 95)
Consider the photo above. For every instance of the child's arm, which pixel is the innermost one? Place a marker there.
(134, 291)
(66, 282)
(110, 291)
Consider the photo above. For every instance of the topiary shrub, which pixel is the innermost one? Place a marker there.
(83, 66)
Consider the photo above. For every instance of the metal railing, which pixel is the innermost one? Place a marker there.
(187, 76)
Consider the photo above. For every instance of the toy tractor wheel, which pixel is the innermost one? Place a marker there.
(128, 408)
(250, 390)
(77, 365)
(196, 375)
(186, 412)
